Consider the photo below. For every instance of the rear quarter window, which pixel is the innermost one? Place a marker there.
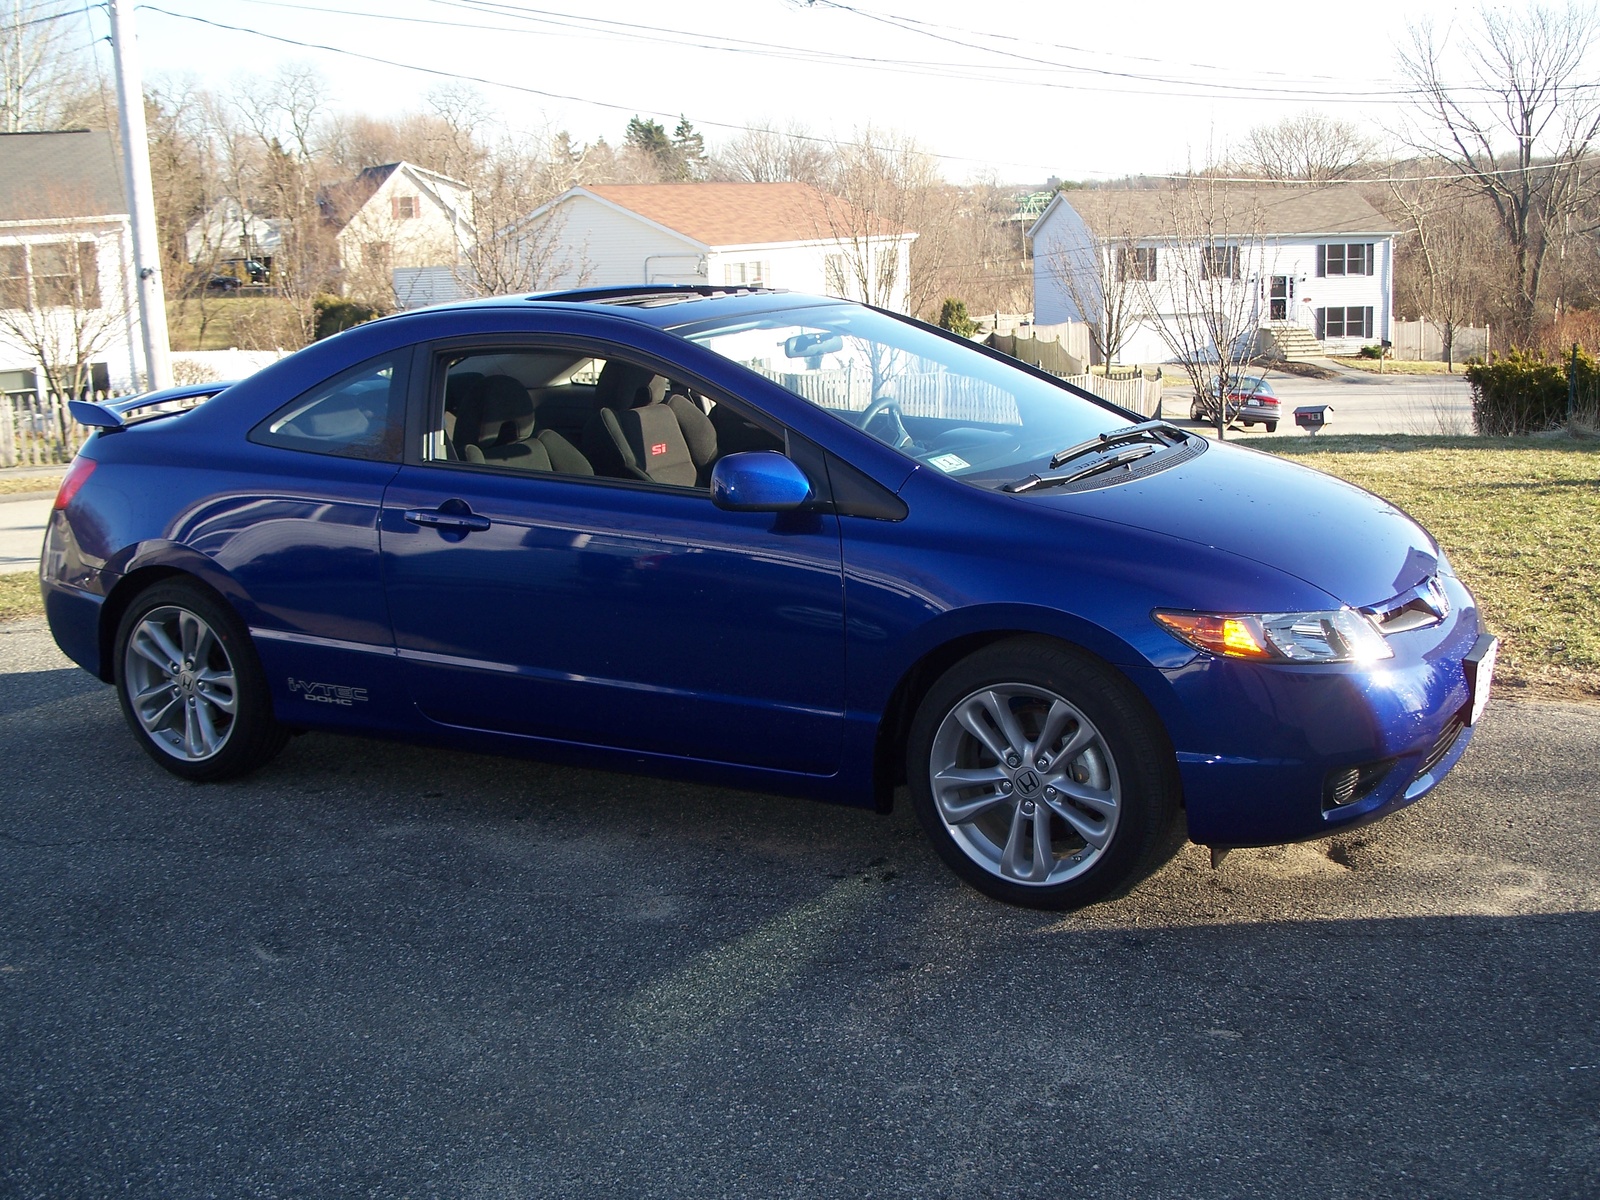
(356, 414)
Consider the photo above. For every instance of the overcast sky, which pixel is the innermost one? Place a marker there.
(1016, 92)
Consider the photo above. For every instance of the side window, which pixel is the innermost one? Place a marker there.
(357, 414)
(574, 412)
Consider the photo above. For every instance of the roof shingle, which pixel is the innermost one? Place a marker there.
(740, 214)
(73, 173)
(1248, 210)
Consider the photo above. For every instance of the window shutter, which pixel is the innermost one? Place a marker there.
(1369, 265)
(1366, 321)
(1322, 270)
(1322, 313)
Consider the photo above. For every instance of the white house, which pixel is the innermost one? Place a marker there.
(396, 217)
(1314, 266)
(229, 232)
(783, 235)
(67, 305)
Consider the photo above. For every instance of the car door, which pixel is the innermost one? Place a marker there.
(605, 612)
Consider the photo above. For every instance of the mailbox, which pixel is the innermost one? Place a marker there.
(1312, 417)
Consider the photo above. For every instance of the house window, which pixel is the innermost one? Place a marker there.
(406, 207)
(375, 255)
(746, 274)
(50, 275)
(14, 277)
(1345, 258)
(1136, 263)
(1219, 262)
(1344, 322)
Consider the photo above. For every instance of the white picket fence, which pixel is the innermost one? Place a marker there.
(1135, 392)
(956, 397)
(37, 430)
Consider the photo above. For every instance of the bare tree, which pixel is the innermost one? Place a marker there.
(62, 305)
(764, 154)
(1449, 262)
(283, 116)
(982, 258)
(1308, 147)
(45, 82)
(1204, 300)
(1107, 276)
(512, 253)
(1510, 108)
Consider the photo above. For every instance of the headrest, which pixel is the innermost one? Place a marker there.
(624, 385)
(507, 413)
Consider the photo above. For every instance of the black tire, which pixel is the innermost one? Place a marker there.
(1197, 411)
(1272, 426)
(206, 717)
(1056, 698)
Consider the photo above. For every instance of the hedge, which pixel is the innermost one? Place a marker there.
(1522, 392)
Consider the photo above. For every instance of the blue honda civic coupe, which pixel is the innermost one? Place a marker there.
(773, 541)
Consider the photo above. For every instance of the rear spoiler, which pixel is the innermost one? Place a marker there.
(112, 415)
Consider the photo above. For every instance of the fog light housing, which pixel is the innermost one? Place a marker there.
(1346, 785)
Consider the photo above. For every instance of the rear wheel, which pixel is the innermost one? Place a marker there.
(190, 684)
(1041, 777)
(1272, 426)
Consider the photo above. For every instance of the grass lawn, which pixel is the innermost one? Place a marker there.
(1519, 517)
(231, 322)
(1520, 520)
(19, 596)
(1394, 366)
(18, 483)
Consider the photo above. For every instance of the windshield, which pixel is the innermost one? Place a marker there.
(939, 402)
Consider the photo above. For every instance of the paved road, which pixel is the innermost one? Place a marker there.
(22, 525)
(378, 970)
(1366, 403)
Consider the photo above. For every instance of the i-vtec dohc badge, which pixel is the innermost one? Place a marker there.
(326, 693)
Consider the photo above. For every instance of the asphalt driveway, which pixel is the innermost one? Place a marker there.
(378, 970)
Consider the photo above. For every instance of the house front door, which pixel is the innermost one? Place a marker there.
(1281, 291)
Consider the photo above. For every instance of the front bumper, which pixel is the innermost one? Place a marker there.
(1267, 747)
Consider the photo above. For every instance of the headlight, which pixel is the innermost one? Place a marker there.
(1341, 636)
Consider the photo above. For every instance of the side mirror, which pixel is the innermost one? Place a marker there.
(758, 481)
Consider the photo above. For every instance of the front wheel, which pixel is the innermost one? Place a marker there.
(1041, 777)
(190, 685)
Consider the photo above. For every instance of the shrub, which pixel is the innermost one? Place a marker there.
(953, 316)
(334, 314)
(1524, 392)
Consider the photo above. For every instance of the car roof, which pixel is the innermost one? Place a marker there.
(664, 306)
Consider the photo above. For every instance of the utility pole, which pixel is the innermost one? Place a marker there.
(141, 197)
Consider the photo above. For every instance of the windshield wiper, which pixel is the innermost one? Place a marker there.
(1143, 431)
(1163, 433)
(1126, 458)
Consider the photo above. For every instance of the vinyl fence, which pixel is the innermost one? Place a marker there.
(36, 429)
(1418, 341)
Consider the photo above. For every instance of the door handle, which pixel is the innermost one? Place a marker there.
(459, 522)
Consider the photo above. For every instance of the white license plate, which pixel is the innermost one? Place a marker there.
(1479, 666)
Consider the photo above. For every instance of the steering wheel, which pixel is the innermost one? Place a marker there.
(899, 437)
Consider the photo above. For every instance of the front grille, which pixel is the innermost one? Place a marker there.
(1444, 743)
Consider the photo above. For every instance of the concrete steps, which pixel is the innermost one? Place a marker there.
(1292, 343)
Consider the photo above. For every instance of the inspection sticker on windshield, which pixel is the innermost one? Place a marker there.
(949, 462)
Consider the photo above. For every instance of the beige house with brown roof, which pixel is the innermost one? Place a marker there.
(1314, 264)
(393, 219)
(782, 235)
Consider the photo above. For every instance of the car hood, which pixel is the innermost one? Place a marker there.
(1347, 542)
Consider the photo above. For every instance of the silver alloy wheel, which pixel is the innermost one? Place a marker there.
(180, 683)
(1025, 784)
